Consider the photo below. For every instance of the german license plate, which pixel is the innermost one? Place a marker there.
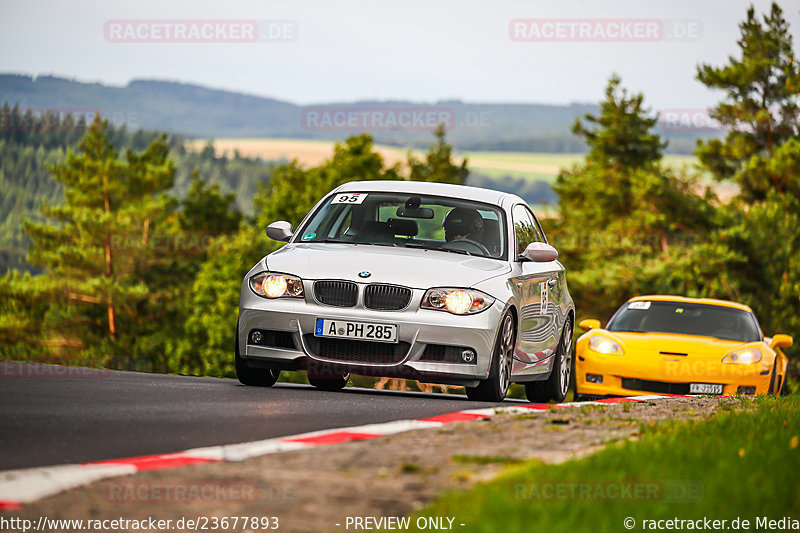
(344, 329)
(705, 388)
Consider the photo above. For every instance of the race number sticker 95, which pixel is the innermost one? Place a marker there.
(349, 198)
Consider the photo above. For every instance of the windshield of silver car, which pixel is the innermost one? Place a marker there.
(409, 220)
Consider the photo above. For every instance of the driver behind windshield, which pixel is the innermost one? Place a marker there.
(462, 223)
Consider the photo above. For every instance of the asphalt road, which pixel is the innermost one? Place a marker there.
(55, 415)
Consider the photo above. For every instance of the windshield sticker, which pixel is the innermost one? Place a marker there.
(350, 198)
(639, 305)
(309, 236)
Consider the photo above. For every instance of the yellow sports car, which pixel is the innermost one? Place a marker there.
(676, 345)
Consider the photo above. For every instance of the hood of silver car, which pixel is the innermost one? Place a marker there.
(410, 267)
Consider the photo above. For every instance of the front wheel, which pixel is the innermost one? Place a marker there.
(329, 383)
(495, 388)
(255, 377)
(556, 386)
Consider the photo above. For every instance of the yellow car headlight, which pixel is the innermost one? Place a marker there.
(745, 356)
(269, 285)
(601, 344)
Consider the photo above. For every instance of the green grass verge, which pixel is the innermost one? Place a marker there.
(740, 463)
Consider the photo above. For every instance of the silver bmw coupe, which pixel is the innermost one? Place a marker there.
(439, 283)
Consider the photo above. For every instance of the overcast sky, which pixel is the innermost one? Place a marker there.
(423, 50)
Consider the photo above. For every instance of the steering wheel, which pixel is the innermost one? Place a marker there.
(467, 245)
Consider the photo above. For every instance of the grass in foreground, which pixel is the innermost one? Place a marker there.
(741, 463)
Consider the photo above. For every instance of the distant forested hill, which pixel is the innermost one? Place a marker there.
(29, 147)
(197, 111)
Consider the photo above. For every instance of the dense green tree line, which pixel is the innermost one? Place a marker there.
(629, 226)
(31, 145)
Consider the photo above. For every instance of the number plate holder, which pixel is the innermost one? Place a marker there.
(705, 388)
(348, 329)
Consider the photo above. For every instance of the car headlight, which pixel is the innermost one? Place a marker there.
(456, 301)
(601, 344)
(269, 285)
(745, 356)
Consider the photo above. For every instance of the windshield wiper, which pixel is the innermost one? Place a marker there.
(335, 241)
(378, 243)
(436, 248)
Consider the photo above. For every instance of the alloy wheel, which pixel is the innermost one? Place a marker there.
(566, 360)
(506, 354)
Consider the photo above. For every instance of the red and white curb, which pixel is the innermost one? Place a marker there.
(28, 485)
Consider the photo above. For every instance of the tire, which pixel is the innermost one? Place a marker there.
(556, 386)
(495, 388)
(328, 383)
(254, 377)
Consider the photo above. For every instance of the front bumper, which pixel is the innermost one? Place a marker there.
(632, 375)
(417, 328)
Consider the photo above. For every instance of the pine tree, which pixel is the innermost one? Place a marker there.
(761, 111)
(438, 164)
(621, 137)
(622, 213)
(99, 249)
(621, 185)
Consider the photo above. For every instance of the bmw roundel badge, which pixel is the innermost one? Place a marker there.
(364, 274)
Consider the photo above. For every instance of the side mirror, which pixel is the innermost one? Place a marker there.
(280, 230)
(540, 252)
(589, 324)
(781, 341)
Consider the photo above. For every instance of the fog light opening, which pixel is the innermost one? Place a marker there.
(749, 391)
(594, 378)
(255, 337)
(468, 356)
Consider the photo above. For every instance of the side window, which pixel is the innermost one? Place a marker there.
(525, 227)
